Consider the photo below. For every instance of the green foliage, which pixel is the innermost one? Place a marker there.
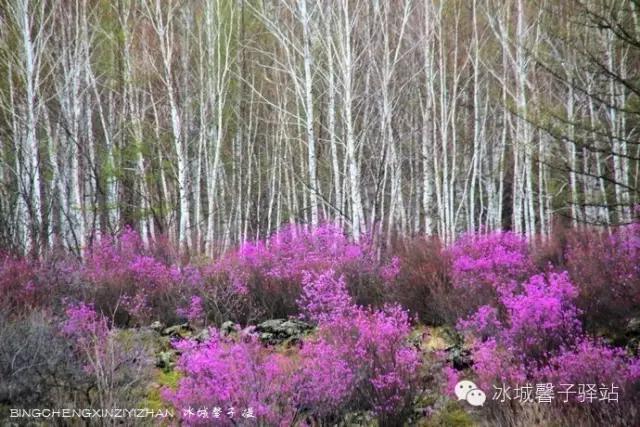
(162, 379)
(452, 415)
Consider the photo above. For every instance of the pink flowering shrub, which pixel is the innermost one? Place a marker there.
(128, 281)
(371, 343)
(360, 360)
(194, 313)
(493, 363)
(483, 324)
(384, 366)
(87, 331)
(83, 325)
(451, 378)
(117, 366)
(324, 382)
(17, 283)
(522, 325)
(592, 361)
(271, 272)
(539, 337)
(537, 322)
(482, 264)
(607, 269)
(490, 260)
(389, 273)
(542, 318)
(240, 373)
(27, 284)
(324, 297)
(423, 284)
(291, 251)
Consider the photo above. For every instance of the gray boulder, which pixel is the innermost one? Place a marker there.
(166, 360)
(156, 326)
(182, 330)
(633, 327)
(228, 328)
(203, 335)
(278, 331)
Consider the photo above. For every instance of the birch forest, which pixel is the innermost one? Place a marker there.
(217, 121)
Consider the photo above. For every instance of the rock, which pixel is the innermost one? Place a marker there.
(268, 337)
(277, 331)
(295, 327)
(228, 328)
(270, 325)
(156, 326)
(203, 335)
(633, 327)
(459, 357)
(182, 330)
(632, 336)
(166, 360)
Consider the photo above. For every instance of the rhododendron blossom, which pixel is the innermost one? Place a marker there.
(272, 271)
(293, 250)
(84, 324)
(87, 331)
(541, 338)
(324, 296)
(195, 311)
(350, 349)
(390, 272)
(592, 361)
(127, 278)
(360, 359)
(374, 345)
(490, 260)
(223, 372)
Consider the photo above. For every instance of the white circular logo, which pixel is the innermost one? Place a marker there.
(467, 390)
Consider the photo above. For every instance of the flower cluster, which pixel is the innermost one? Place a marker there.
(359, 360)
(606, 265)
(87, 331)
(540, 337)
(490, 260)
(529, 326)
(294, 250)
(194, 312)
(84, 324)
(127, 277)
(523, 317)
(592, 361)
(113, 261)
(324, 297)
(542, 318)
(271, 272)
(373, 344)
(241, 373)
